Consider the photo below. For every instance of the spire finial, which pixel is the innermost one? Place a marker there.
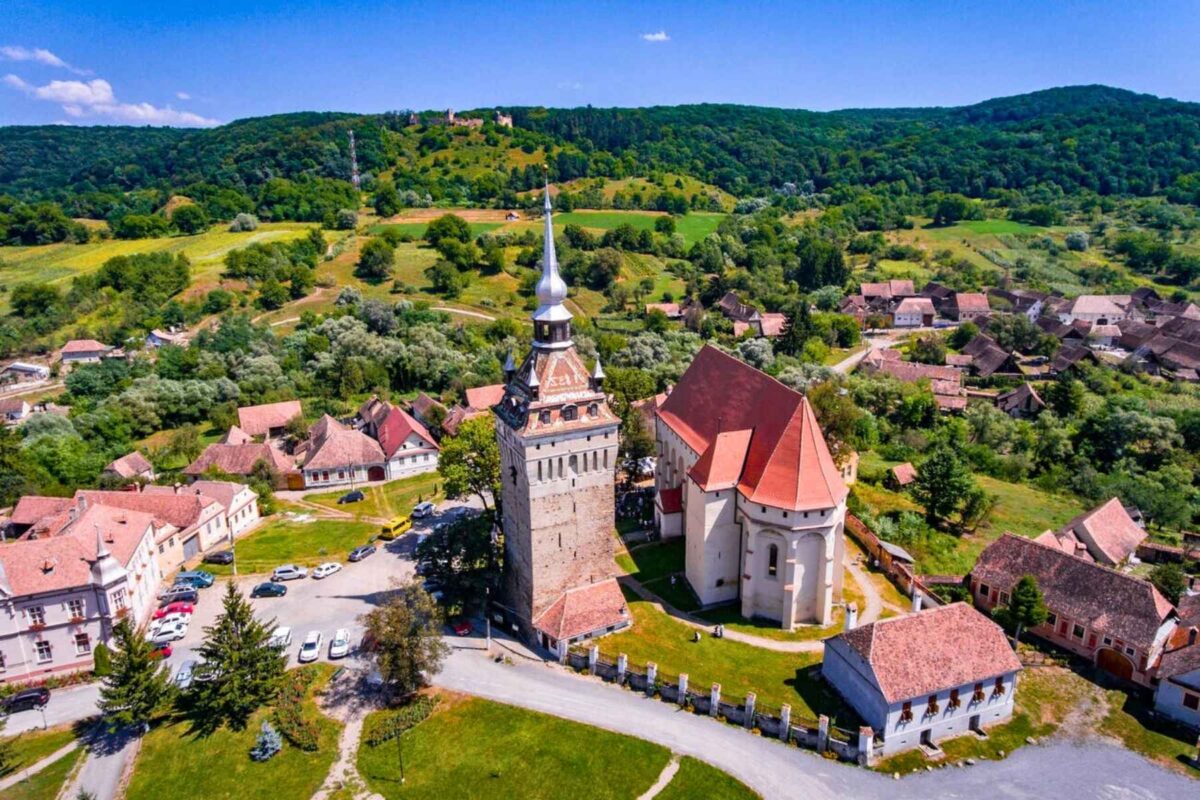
(551, 320)
(101, 547)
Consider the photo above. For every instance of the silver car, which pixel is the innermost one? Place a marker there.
(339, 646)
(311, 649)
(183, 678)
(288, 572)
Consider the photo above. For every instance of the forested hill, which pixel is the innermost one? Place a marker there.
(1096, 138)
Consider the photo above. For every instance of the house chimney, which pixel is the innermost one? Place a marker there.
(851, 617)
(916, 604)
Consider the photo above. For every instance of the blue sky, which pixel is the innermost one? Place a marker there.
(200, 63)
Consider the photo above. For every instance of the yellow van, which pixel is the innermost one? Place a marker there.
(396, 527)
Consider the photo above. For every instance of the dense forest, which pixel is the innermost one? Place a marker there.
(1094, 139)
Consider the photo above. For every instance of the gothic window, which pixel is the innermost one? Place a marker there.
(595, 460)
(773, 561)
(560, 467)
(569, 413)
(573, 464)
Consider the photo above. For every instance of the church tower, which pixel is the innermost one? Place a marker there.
(558, 456)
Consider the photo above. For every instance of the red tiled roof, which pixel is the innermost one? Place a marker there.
(915, 305)
(1108, 601)
(950, 402)
(672, 310)
(224, 492)
(720, 466)
(238, 459)
(904, 473)
(888, 289)
(971, 301)
(670, 501)
(481, 398)
(84, 346)
(787, 464)
(908, 371)
(344, 448)
(129, 465)
(583, 610)
(1095, 304)
(423, 404)
(236, 435)
(741, 327)
(773, 324)
(1111, 535)
(180, 510)
(11, 405)
(396, 427)
(919, 654)
(32, 508)
(258, 420)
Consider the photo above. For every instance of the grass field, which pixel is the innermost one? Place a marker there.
(286, 541)
(695, 779)
(1130, 720)
(179, 763)
(417, 229)
(775, 677)
(30, 747)
(387, 500)
(477, 749)
(693, 226)
(47, 784)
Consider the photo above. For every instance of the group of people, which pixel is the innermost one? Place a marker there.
(718, 632)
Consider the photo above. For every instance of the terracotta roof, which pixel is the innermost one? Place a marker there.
(238, 459)
(1108, 601)
(127, 466)
(1065, 541)
(396, 427)
(32, 508)
(787, 464)
(1094, 304)
(373, 410)
(455, 417)
(179, 510)
(344, 448)
(1108, 531)
(915, 305)
(258, 420)
(971, 301)
(741, 327)
(583, 610)
(323, 427)
(888, 289)
(959, 360)
(772, 324)
(9, 405)
(909, 371)
(904, 473)
(224, 492)
(423, 404)
(672, 310)
(1017, 398)
(720, 465)
(671, 500)
(236, 435)
(481, 398)
(63, 561)
(950, 402)
(76, 346)
(919, 654)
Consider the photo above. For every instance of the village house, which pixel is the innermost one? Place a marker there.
(1178, 692)
(987, 357)
(1097, 309)
(268, 420)
(1019, 301)
(924, 677)
(83, 351)
(185, 525)
(944, 382)
(767, 324)
(132, 466)
(479, 401)
(672, 311)
(902, 475)
(159, 338)
(745, 476)
(1023, 402)
(1118, 622)
(938, 294)
(914, 312)
(239, 503)
(22, 372)
(1106, 535)
(967, 306)
(407, 445)
(14, 409)
(427, 411)
(886, 295)
(335, 455)
(61, 595)
(241, 460)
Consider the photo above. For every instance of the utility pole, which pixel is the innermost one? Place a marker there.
(353, 163)
(400, 753)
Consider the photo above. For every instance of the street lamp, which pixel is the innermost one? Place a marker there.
(400, 753)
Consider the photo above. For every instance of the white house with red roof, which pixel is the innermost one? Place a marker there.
(745, 475)
(1106, 535)
(269, 419)
(83, 351)
(335, 455)
(925, 676)
(407, 444)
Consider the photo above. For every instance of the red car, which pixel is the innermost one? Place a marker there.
(174, 608)
(161, 651)
(461, 627)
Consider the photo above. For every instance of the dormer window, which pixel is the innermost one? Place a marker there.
(570, 413)
(544, 417)
(593, 410)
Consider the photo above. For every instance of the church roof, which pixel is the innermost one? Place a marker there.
(787, 463)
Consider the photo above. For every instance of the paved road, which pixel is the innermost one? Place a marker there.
(776, 771)
(66, 705)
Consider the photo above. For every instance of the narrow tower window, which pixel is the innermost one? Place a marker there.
(773, 561)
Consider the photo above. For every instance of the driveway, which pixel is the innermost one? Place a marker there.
(66, 705)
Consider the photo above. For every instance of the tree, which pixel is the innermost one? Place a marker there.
(387, 199)
(346, 219)
(470, 460)
(268, 743)
(1170, 579)
(137, 683)
(376, 260)
(242, 669)
(243, 222)
(447, 226)
(465, 560)
(1026, 608)
(190, 219)
(407, 635)
(942, 485)
(445, 279)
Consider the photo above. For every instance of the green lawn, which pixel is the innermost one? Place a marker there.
(32, 746)
(694, 226)
(1159, 740)
(417, 229)
(695, 779)
(731, 617)
(285, 541)
(46, 784)
(478, 749)
(387, 500)
(775, 677)
(652, 561)
(177, 763)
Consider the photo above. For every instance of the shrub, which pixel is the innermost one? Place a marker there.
(243, 222)
(268, 744)
(300, 730)
(103, 659)
(380, 728)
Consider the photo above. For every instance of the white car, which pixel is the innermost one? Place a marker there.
(288, 572)
(340, 646)
(169, 633)
(326, 569)
(169, 619)
(281, 638)
(311, 649)
(421, 510)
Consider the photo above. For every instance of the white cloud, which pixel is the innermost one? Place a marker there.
(96, 99)
(660, 36)
(183, 95)
(573, 85)
(38, 55)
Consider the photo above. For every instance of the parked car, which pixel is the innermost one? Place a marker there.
(361, 552)
(187, 671)
(174, 608)
(168, 620)
(269, 589)
(197, 577)
(169, 633)
(311, 649)
(288, 572)
(219, 557)
(339, 647)
(326, 569)
(282, 637)
(397, 527)
(161, 650)
(25, 700)
(461, 627)
(351, 497)
(179, 594)
(422, 510)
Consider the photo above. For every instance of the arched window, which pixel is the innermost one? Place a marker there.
(569, 413)
(773, 561)
(593, 410)
(544, 417)
(573, 464)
